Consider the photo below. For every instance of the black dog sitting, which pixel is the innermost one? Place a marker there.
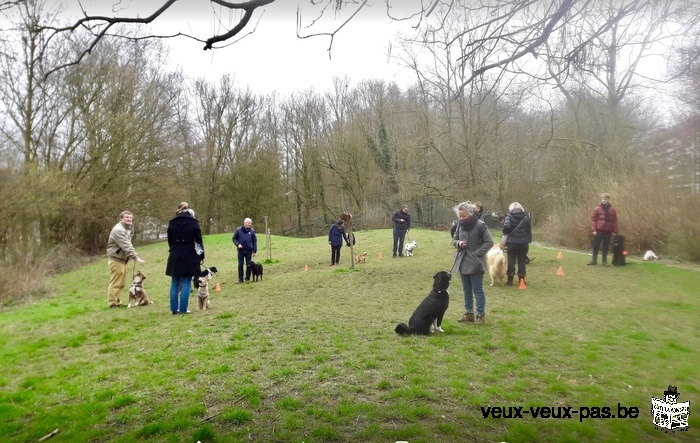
(618, 258)
(256, 270)
(428, 315)
(206, 272)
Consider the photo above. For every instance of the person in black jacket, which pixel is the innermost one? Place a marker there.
(247, 244)
(185, 256)
(519, 229)
(402, 223)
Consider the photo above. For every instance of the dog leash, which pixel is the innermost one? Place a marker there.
(455, 262)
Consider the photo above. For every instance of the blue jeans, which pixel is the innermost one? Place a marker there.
(179, 286)
(474, 283)
(244, 255)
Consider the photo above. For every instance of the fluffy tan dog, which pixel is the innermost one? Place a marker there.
(496, 261)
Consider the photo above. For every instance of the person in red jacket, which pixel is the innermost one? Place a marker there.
(603, 226)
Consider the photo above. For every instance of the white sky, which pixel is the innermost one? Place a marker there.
(273, 58)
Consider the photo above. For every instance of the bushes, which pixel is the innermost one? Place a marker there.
(683, 234)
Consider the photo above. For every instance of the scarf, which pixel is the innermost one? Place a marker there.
(606, 209)
(469, 224)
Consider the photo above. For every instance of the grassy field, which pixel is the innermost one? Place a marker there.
(311, 356)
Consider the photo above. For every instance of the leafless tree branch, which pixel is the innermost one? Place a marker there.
(99, 25)
(565, 6)
(329, 34)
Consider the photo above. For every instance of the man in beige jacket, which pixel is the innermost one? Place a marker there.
(119, 252)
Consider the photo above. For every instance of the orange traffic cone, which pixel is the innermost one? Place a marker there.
(306, 267)
(560, 271)
(217, 288)
(522, 284)
(559, 256)
(380, 255)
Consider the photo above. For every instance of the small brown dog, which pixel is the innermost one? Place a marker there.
(203, 293)
(136, 293)
(361, 258)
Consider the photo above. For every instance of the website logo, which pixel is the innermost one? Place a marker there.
(668, 414)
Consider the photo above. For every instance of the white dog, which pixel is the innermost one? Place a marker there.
(410, 246)
(496, 261)
(649, 255)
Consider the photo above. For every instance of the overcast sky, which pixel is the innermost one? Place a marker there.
(272, 58)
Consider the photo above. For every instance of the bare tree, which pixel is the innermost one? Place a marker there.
(224, 126)
(305, 127)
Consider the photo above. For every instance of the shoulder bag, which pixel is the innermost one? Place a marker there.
(504, 238)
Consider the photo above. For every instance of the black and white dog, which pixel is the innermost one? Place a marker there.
(428, 315)
(410, 246)
(208, 273)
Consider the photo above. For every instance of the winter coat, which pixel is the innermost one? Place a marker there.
(518, 235)
(405, 224)
(247, 238)
(336, 236)
(602, 222)
(183, 232)
(472, 259)
(119, 246)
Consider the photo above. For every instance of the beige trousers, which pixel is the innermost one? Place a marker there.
(117, 280)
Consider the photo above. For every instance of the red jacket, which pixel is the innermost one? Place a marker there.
(602, 223)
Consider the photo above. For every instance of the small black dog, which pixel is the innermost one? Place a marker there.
(618, 258)
(256, 270)
(206, 272)
(428, 315)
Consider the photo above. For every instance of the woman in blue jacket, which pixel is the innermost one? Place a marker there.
(335, 238)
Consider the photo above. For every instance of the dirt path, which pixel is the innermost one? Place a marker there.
(662, 260)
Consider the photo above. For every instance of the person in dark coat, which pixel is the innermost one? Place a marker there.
(336, 235)
(402, 223)
(603, 227)
(247, 244)
(185, 256)
(519, 230)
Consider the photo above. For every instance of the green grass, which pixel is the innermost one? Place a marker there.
(311, 356)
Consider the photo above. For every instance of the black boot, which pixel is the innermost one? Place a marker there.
(510, 280)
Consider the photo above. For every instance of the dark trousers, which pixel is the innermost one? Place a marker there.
(517, 252)
(247, 256)
(604, 238)
(399, 237)
(335, 254)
